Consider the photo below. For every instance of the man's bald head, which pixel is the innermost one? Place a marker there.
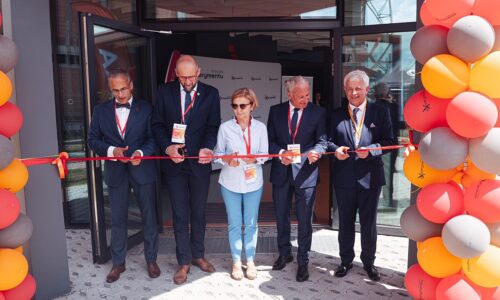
(187, 70)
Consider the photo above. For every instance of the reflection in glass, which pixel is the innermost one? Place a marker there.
(387, 60)
(372, 12)
(203, 9)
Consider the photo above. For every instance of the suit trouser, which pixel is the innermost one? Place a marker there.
(304, 204)
(119, 201)
(188, 195)
(349, 201)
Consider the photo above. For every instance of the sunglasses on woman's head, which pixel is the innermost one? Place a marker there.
(242, 105)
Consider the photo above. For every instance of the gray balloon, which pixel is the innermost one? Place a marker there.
(428, 42)
(494, 233)
(466, 236)
(471, 38)
(496, 46)
(416, 227)
(6, 152)
(443, 149)
(16, 234)
(485, 151)
(9, 54)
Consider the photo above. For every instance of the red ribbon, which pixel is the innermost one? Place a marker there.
(63, 158)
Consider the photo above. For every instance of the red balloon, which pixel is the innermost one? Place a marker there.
(489, 293)
(11, 119)
(497, 103)
(428, 19)
(424, 112)
(419, 284)
(24, 291)
(449, 11)
(482, 200)
(439, 202)
(471, 114)
(489, 10)
(2, 297)
(9, 208)
(456, 287)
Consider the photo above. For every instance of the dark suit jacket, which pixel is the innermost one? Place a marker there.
(138, 136)
(202, 124)
(311, 135)
(354, 172)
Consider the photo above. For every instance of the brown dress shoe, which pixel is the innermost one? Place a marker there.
(182, 274)
(153, 269)
(114, 274)
(203, 264)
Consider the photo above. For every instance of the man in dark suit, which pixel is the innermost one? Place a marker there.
(295, 126)
(358, 176)
(186, 119)
(121, 128)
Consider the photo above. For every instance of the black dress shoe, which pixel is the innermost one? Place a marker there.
(281, 262)
(302, 273)
(372, 272)
(343, 269)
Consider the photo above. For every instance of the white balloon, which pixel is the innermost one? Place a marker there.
(466, 236)
(485, 151)
(443, 149)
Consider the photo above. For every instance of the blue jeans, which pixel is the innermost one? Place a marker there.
(237, 217)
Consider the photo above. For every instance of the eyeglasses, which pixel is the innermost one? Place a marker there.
(186, 78)
(118, 92)
(242, 106)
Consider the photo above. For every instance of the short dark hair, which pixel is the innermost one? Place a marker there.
(117, 72)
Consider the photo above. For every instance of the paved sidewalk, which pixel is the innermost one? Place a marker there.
(88, 280)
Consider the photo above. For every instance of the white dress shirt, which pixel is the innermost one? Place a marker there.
(122, 114)
(359, 117)
(299, 115)
(230, 140)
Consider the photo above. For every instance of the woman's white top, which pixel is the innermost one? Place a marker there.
(230, 140)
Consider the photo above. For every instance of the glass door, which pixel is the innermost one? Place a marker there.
(106, 45)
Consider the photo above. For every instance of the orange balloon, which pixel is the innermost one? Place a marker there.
(14, 177)
(445, 76)
(421, 174)
(5, 88)
(435, 260)
(19, 249)
(449, 11)
(489, 10)
(473, 173)
(484, 270)
(481, 200)
(13, 269)
(480, 75)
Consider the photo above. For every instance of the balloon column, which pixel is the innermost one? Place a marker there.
(15, 227)
(456, 220)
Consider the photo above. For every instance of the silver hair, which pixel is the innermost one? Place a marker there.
(117, 72)
(294, 81)
(357, 74)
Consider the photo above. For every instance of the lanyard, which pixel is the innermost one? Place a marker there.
(357, 129)
(122, 131)
(248, 143)
(294, 134)
(188, 108)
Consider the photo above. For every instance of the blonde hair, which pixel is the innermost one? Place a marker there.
(246, 93)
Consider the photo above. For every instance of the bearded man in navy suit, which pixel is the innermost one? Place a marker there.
(296, 126)
(121, 128)
(186, 120)
(359, 176)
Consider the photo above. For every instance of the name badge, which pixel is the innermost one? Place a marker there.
(179, 133)
(295, 148)
(250, 173)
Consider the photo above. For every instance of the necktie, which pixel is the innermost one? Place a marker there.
(124, 105)
(187, 100)
(355, 115)
(295, 116)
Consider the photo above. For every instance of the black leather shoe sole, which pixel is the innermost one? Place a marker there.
(343, 270)
(281, 262)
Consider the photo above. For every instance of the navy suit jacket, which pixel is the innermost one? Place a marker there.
(202, 123)
(311, 135)
(354, 172)
(138, 136)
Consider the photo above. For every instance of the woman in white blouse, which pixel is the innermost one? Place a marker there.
(241, 179)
